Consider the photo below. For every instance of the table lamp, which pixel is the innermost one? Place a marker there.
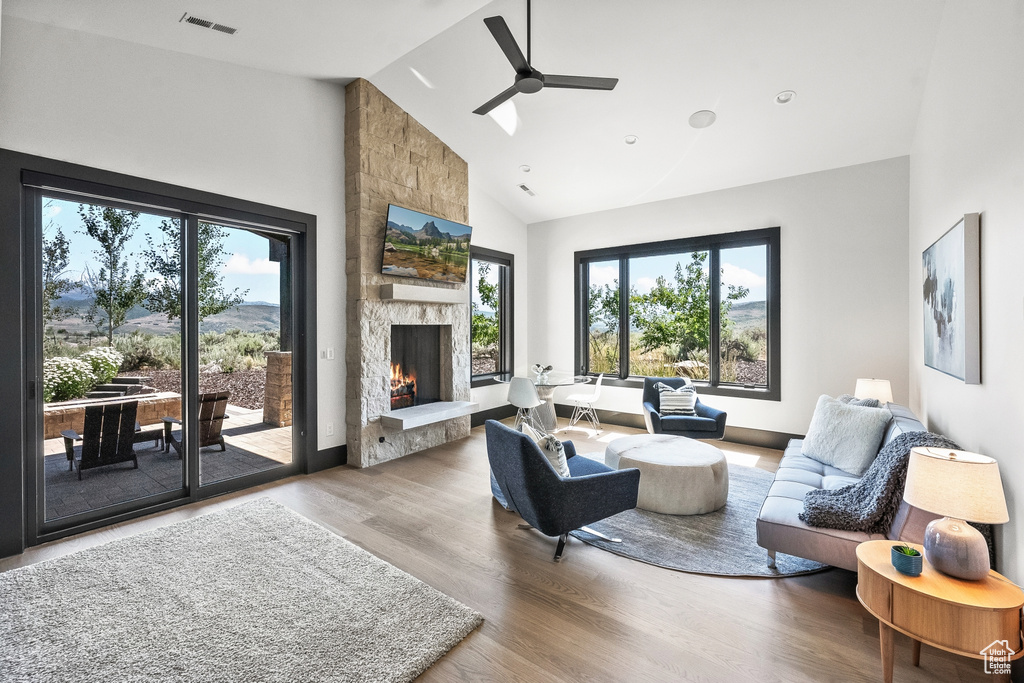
(874, 388)
(965, 487)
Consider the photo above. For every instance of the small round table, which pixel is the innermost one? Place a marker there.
(678, 476)
(546, 385)
(971, 618)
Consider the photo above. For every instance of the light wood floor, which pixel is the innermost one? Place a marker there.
(594, 616)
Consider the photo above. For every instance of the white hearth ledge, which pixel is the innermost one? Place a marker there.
(435, 295)
(417, 416)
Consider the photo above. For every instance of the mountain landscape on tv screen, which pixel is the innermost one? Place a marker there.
(426, 252)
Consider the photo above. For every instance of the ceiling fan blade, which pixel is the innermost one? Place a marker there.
(499, 29)
(495, 101)
(579, 82)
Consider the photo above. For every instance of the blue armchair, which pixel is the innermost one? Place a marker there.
(708, 423)
(523, 480)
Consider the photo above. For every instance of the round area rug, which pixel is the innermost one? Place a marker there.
(721, 542)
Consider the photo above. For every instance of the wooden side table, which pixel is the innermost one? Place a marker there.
(963, 617)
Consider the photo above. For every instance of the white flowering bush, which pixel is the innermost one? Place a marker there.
(105, 362)
(66, 378)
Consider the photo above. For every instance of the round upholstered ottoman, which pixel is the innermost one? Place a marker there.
(678, 476)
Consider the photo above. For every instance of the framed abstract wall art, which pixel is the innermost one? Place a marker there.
(952, 301)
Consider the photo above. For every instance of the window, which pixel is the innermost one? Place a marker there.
(490, 315)
(677, 320)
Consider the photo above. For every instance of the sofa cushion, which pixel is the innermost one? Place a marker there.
(845, 436)
(687, 423)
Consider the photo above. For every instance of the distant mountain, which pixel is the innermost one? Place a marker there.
(427, 232)
(249, 316)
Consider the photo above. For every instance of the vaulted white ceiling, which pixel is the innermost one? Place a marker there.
(858, 69)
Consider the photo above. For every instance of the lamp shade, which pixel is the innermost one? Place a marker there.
(874, 388)
(956, 484)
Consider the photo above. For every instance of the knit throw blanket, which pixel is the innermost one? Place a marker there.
(872, 503)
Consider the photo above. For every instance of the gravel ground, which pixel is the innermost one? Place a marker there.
(752, 372)
(246, 386)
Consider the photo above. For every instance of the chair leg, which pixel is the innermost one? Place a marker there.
(561, 546)
(576, 415)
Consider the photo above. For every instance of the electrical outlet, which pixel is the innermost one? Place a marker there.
(330, 429)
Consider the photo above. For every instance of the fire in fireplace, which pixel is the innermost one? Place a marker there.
(415, 365)
(403, 388)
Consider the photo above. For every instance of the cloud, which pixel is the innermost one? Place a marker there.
(734, 275)
(604, 275)
(53, 210)
(645, 284)
(239, 264)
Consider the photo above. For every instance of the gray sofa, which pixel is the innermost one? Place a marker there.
(780, 530)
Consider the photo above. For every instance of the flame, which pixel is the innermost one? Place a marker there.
(398, 378)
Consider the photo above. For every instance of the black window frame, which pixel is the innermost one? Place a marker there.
(713, 244)
(506, 316)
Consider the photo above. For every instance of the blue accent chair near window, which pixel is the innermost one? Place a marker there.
(708, 423)
(523, 481)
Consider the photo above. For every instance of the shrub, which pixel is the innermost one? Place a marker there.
(66, 378)
(105, 362)
(144, 350)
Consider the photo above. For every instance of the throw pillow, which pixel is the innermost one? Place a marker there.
(845, 436)
(679, 401)
(551, 447)
(854, 401)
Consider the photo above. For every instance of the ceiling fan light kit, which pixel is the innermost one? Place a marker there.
(529, 80)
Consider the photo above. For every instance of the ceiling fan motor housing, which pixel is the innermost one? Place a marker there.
(530, 82)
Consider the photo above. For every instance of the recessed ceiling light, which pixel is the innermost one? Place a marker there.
(702, 118)
(524, 168)
(785, 97)
(630, 139)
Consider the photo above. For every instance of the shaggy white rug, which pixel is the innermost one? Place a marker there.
(252, 593)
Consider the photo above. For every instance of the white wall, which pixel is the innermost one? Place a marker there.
(844, 287)
(968, 156)
(194, 122)
(495, 228)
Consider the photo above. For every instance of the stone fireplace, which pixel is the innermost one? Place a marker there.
(417, 325)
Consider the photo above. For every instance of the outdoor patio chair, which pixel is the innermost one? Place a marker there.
(107, 438)
(212, 407)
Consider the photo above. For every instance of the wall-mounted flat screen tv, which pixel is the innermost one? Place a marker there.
(427, 247)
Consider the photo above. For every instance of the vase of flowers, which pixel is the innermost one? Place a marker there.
(542, 372)
(907, 560)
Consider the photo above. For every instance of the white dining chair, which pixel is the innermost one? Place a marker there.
(584, 405)
(523, 395)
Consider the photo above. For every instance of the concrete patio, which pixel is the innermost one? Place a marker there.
(251, 446)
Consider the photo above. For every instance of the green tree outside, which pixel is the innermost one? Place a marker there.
(164, 260)
(116, 288)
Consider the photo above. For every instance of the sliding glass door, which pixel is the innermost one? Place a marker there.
(109, 306)
(162, 350)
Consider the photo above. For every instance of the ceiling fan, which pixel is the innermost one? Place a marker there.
(530, 80)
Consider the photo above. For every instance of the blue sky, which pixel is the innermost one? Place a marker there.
(416, 220)
(745, 267)
(246, 265)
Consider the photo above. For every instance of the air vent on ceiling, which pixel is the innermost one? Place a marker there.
(206, 23)
(527, 190)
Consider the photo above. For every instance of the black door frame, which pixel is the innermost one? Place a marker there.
(22, 178)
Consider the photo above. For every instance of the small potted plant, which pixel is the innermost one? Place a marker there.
(907, 560)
